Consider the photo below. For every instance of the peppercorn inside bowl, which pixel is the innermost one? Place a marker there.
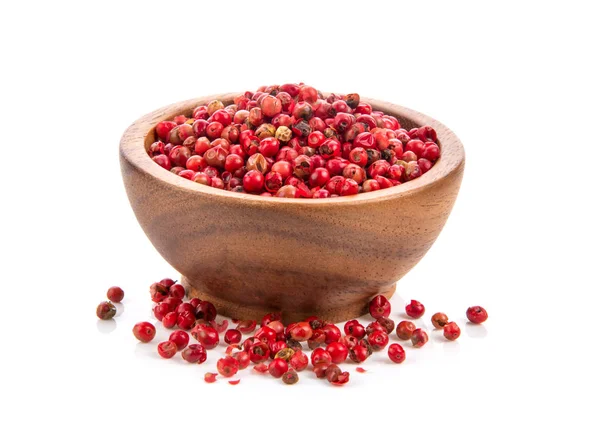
(302, 253)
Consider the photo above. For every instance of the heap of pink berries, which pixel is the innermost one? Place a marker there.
(293, 141)
(272, 347)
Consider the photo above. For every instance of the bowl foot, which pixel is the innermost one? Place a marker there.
(242, 312)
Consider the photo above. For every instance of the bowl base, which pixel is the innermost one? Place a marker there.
(236, 311)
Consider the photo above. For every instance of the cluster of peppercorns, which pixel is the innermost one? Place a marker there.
(107, 310)
(275, 348)
(291, 141)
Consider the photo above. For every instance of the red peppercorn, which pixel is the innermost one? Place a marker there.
(432, 152)
(258, 352)
(290, 377)
(320, 356)
(115, 294)
(144, 331)
(378, 340)
(396, 353)
(284, 168)
(387, 324)
(379, 307)
(194, 353)
(170, 319)
(167, 349)
(372, 327)
(299, 361)
(177, 291)
(279, 329)
(335, 375)
(342, 121)
(332, 333)
(317, 339)
(183, 307)
(210, 377)
(180, 338)
(243, 359)
(413, 171)
(164, 128)
(364, 140)
(451, 331)
(227, 366)
(207, 336)
(106, 311)
(349, 187)
(415, 309)
(424, 165)
(253, 181)
(330, 148)
(354, 328)
(370, 185)
(273, 181)
(156, 148)
(319, 177)
(358, 156)
(220, 327)
(172, 302)
(363, 108)
(336, 166)
(477, 314)
(187, 174)
(349, 341)
(379, 168)
(246, 326)
(186, 320)
(338, 352)
(359, 353)
(320, 370)
(233, 162)
(405, 329)
(158, 292)
(233, 336)
(419, 338)
(160, 310)
(269, 146)
(439, 320)
(206, 311)
(301, 331)
(278, 367)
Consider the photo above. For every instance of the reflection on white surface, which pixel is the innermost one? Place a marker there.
(120, 309)
(106, 326)
(146, 350)
(474, 330)
(451, 347)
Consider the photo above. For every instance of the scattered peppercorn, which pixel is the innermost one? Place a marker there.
(106, 311)
(477, 314)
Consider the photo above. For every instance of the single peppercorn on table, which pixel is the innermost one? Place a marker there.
(252, 255)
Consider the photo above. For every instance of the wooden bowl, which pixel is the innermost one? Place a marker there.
(251, 255)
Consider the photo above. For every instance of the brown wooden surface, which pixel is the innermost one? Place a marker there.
(251, 255)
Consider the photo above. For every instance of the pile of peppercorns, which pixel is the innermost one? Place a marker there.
(291, 141)
(274, 341)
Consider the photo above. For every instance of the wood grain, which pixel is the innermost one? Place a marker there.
(252, 255)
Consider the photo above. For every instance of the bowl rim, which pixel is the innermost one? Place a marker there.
(135, 139)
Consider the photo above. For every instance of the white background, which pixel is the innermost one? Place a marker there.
(517, 82)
